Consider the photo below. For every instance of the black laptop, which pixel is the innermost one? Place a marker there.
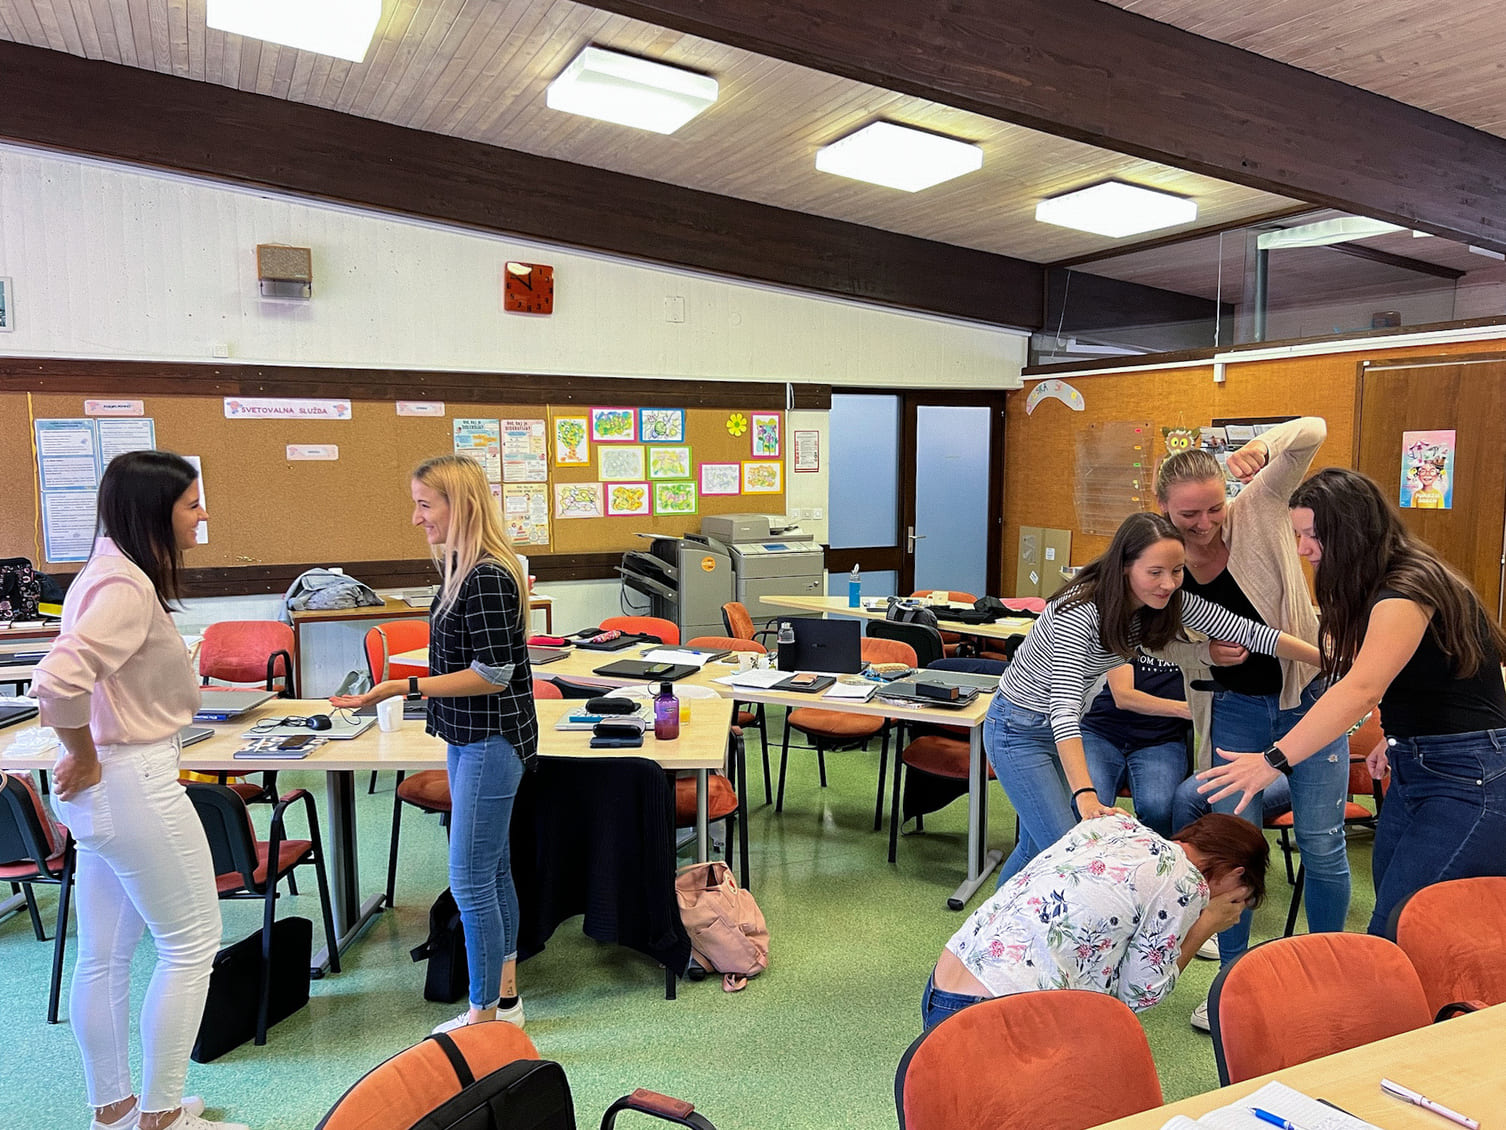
(832, 646)
(11, 715)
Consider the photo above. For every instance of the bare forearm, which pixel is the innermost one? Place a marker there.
(80, 743)
(1141, 703)
(456, 684)
(1330, 718)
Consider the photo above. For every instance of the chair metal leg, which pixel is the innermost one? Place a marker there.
(292, 884)
(763, 740)
(59, 942)
(1291, 911)
(784, 759)
(371, 788)
(31, 909)
(741, 768)
(397, 822)
(821, 761)
(878, 805)
(894, 815)
(264, 998)
(331, 939)
(1286, 851)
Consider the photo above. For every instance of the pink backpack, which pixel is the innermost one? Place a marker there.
(726, 928)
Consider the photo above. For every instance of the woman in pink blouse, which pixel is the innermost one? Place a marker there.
(117, 687)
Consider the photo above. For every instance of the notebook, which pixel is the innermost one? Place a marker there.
(222, 706)
(638, 669)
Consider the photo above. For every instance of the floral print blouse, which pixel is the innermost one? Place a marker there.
(1104, 908)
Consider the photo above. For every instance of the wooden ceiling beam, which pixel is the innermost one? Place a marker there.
(1098, 74)
(106, 110)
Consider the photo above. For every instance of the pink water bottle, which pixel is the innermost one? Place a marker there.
(666, 714)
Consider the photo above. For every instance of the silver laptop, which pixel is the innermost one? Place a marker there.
(222, 706)
(190, 735)
(343, 725)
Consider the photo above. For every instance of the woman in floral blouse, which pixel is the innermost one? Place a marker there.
(1111, 907)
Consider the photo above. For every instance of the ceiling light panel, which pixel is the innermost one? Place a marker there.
(899, 157)
(629, 91)
(1116, 209)
(342, 28)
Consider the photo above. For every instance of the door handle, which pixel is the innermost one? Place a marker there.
(914, 537)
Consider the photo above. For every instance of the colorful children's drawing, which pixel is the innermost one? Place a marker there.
(619, 464)
(1179, 439)
(627, 498)
(661, 425)
(737, 424)
(674, 498)
(614, 425)
(766, 435)
(669, 462)
(1427, 470)
(721, 478)
(577, 500)
(571, 448)
(766, 476)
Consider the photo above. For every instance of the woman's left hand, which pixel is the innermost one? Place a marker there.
(1089, 806)
(374, 695)
(1245, 773)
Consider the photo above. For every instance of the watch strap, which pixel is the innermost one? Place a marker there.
(1277, 760)
(413, 691)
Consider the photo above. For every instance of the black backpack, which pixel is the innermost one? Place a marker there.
(448, 978)
(20, 589)
(904, 611)
(527, 1094)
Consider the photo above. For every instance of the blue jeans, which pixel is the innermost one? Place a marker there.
(936, 1005)
(1188, 804)
(484, 778)
(1153, 773)
(1444, 816)
(1023, 753)
(1319, 787)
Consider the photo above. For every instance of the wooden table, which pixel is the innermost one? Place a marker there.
(1456, 1063)
(837, 605)
(702, 746)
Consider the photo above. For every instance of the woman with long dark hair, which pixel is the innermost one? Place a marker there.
(1401, 629)
(1127, 600)
(117, 687)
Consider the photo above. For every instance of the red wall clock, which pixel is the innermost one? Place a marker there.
(528, 288)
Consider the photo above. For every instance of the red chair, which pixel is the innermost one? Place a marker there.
(34, 848)
(739, 622)
(662, 630)
(242, 652)
(1297, 999)
(747, 714)
(1060, 1059)
(1455, 934)
(381, 644)
(838, 729)
(723, 802)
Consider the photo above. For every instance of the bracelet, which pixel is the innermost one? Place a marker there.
(1084, 789)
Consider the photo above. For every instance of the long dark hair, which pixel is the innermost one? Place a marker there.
(136, 500)
(1365, 548)
(1102, 582)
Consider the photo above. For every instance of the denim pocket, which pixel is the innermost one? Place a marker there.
(87, 816)
(1461, 767)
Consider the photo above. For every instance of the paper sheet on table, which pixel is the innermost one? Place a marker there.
(757, 679)
(1277, 1098)
(851, 692)
(678, 655)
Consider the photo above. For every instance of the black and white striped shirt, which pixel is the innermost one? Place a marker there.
(1062, 656)
(484, 631)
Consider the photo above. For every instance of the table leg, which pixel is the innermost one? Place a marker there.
(350, 913)
(980, 861)
(13, 905)
(702, 820)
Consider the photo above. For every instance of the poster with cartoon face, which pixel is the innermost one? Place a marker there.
(1427, 470)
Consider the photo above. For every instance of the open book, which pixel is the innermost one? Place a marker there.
(1278, 1098)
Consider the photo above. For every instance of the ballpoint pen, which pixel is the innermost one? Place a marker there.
(1411, 1096)
(1273, 1119)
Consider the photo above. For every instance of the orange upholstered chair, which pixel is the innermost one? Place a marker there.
(722, 801)
(1296, 999)
(836, 729)
(249, 651)
(661, 629)
(35, 848)
(381, 644)
(1455, 934)
(739, 622)
(1032, 1059)
(749, 714)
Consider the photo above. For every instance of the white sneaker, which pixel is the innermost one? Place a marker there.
(513, 1015)
(1200, 1017)
(1208, 951)
(450, 1025)
(186, 1121)
(192, 1104)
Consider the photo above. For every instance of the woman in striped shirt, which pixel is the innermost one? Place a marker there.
(1126, 600)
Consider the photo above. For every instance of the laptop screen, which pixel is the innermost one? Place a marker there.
(833, 646)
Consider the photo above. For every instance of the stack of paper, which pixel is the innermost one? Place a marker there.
(683, 655)
(757, 679)
(1278, 1099)
(851, 692)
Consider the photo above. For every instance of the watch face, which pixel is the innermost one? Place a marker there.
(528, 288)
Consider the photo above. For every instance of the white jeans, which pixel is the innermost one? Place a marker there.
(143, 863)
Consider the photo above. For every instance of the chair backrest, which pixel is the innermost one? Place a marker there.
(386, 640)
(737, 620)
(1296, 999)
(227, 825)
(27, 833)
(873, 649)
(399, 1092)
(543, 688)
(1031, 1059)
(665, 631)
(971, 665)
(727, 643)
(954, 596)
(1455, 934)
(248, 651)
(923, 639)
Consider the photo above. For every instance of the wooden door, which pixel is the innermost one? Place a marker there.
(1469, 398)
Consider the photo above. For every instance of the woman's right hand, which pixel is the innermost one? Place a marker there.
(1089, 806)
(1224, 910)
(72, 774)
(1377, 760)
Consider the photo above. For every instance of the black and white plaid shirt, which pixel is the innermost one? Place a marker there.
(483, 631)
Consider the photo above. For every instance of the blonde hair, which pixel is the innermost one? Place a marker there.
(476, 533)
(1195, 466)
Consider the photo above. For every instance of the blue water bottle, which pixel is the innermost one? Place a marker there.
(854, 589)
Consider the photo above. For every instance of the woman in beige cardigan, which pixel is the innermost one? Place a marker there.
(1240, 554)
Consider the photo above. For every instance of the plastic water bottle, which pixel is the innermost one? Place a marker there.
(666, 713)
(786, 646)
(854, 589)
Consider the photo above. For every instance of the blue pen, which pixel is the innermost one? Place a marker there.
(1273, 1119)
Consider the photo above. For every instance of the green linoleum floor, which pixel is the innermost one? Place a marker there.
(811, 1043)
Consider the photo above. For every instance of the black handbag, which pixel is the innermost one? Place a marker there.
(449, 976)
(235, 987)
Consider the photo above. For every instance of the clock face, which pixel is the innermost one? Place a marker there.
(528, 288)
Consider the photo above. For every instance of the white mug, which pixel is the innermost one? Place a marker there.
(389, 714)
(745, 660)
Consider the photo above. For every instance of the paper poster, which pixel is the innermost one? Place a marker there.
(624, 499)
(674, 498)
(765, 435)
(571, 447)
(1427, 470)
(669, 462)
(67, 455)
(577, 500)
(284, 408)
(525, 510)
(119, 436)
(114, 408)
(763, 477)
(661, 425)
(721, 478)
(67, 524)
(420, 407)
(1054, 390)
(312, 452)
(614, 425)
(525, 453)
(620, 464)
(481, 440)
(807, 451)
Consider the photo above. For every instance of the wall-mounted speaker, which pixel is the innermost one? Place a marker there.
(284, 272)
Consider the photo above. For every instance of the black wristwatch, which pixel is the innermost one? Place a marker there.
(414, 694)
(1277, 761)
